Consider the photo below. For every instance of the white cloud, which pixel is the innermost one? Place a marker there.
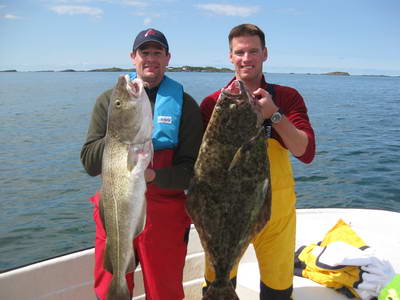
(230, 10)
(11, 17)
(148, 18)
(147, 21)
(76, 10)
(134, 3)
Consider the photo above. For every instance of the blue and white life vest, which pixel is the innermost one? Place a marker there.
(167, 114)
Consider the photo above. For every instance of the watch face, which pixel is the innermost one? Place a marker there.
(276, 117)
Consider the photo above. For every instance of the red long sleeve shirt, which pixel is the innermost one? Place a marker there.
(289, 101)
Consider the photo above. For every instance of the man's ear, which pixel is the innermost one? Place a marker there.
(265, 54)
(133, 56)
(169, 58)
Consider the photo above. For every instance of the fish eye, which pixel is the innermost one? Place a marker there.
(117, 103)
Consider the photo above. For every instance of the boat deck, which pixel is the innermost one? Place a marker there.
(70, 276)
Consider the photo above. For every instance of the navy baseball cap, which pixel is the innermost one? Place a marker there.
(150, 35)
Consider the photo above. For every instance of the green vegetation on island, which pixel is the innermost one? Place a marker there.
(113, 69)
(337, 73)
(198, 69)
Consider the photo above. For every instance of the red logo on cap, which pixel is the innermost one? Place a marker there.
(150, 32)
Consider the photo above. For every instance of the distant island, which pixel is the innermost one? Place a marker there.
(113, 69)
(337, 73)
(198, 69)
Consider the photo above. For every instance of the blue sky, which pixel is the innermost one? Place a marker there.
(356, 36)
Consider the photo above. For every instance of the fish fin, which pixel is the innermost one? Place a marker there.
(150, 147)
(101, 209)
(132, 264)
(118, 289)
(265, 211)
(240, 156)
(237, 158)
(145, 156)
(107, 264)
(139, 156)
(221, 291)
(133, 156)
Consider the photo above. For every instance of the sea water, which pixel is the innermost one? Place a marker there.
(44, 117)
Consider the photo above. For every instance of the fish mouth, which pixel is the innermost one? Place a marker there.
(235, 89)
(134, 87)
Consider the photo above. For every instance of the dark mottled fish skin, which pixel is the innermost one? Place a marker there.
(127, 153)
(229, 198)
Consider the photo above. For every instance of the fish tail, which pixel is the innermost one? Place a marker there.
(221, 291)
(118, 289)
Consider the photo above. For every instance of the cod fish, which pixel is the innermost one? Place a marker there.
(127, 152)
(229, 197)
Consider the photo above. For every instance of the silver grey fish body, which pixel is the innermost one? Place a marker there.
(127, 152)
(229, 197)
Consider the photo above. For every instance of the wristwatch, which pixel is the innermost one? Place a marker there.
(276, 117)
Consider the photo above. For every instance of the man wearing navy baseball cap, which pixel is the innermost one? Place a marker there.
(150, 35)
(177, 133)
(150, 54)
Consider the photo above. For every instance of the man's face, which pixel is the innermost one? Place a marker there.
(151, 61)
(247, 55)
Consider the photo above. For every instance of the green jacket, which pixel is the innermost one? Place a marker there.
(190, 135)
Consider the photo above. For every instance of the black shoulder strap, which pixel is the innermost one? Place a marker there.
(271, 89)
(267, 123)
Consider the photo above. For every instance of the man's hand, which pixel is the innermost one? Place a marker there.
(149, 175)
(264, 100)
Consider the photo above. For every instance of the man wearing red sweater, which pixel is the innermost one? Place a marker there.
(290, 130)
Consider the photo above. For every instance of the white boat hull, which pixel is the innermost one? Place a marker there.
(70, 276)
